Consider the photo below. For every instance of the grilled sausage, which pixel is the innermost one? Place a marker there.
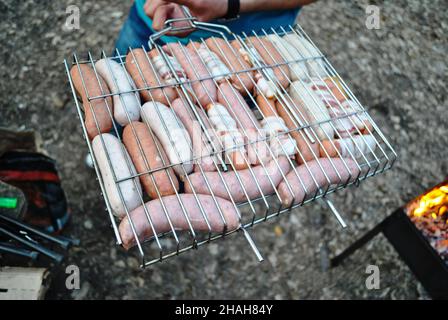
(340, 110)
(337, 90)
(271, 56)
(96, 111)
(139, 67)
(305, 175)
(360, 120)
(200, 145)
(298, 70)
(234, 62)
(237, 106)
(216, 68)
(171, 133)
(198, 183)
(176, 215)
(147, 154)
(308, 150)
(113, 159)
(245, 119)
(126, 105)
(265, 85)
(356, 146)
(314, 63)
(195, 69)
(266, 106)
(274, 126)
(230, 138)
(303, 95)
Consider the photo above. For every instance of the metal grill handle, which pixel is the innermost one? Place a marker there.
(194, 24)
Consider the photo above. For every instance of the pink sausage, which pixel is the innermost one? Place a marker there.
(197, 181)
(316, 171)
(237, 106)
(173, 209)
(195, 69)
(200, 147)
(245, 119)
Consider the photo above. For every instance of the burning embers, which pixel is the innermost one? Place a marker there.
(429, 213)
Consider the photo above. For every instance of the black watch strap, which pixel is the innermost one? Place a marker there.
(233, 9)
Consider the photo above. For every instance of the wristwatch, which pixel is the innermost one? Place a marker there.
(233, 10)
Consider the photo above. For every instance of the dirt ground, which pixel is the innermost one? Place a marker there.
(399, 72)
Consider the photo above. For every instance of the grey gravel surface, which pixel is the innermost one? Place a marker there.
(398, 71)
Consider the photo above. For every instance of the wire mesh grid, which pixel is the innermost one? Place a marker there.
(228, 132)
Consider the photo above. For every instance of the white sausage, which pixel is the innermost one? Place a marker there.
(118, 81)
(228, 134)
(274, 126)
(298, 70)
(218, 70)
(340, 109)
(303, 94)
(360, 119)
(201, 147)
(356, 146)
(173, 135)
(315, 64)
(123, 168)
(281, 144)
(267, 87)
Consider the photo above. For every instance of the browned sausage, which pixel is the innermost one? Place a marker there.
(246, 121)
(234, 62)
(335, 89)
(356, 146)
(241, 52)
(195, 70)
(307, 149)
(271, 56)
(138, 66)
(153, 159)
(299, 191)
(198, 183)
(176, 215)
(237, 106)
(200, 146)
(227, 136)
(98, 106)
(275, 128)
(168, 75)
(267, 106)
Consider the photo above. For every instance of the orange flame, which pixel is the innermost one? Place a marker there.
(433, 203)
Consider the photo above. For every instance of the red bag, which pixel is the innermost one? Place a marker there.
(36, 175)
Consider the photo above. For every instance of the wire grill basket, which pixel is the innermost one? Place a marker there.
(326, 140)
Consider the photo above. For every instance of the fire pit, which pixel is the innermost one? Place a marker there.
(429, 213)
(419, 233)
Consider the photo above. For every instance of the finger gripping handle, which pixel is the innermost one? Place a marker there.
(194, 24)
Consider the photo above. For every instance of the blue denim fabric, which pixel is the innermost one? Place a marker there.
(134, 33)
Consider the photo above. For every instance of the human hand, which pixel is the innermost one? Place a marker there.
(203, 10)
